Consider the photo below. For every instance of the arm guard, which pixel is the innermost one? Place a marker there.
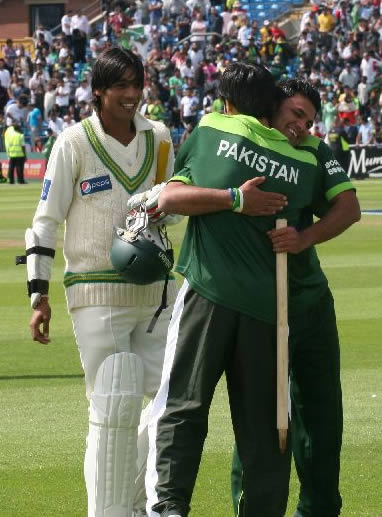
(39, 260)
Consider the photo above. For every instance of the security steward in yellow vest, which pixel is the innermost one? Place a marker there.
(15, 149)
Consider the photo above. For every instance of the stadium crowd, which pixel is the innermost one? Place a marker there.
(339, 48)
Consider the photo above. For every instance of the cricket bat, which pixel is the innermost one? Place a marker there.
(282, 343)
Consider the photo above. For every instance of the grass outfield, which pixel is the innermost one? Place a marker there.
(43, 417)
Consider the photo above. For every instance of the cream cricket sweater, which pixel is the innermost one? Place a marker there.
(89, 178)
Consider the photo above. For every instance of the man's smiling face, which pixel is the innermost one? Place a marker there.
(294, 118)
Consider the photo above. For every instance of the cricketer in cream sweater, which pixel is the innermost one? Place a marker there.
(80, 190)
(94, 168)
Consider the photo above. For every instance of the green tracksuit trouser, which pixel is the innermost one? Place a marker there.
(316, 402)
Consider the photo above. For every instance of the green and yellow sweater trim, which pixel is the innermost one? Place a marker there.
(129, 184)
(97, 277)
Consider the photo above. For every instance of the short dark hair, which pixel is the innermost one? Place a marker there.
(250, 88)
(291, 87)
(110, 67)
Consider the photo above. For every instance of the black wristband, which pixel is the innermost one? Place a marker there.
(37, 286)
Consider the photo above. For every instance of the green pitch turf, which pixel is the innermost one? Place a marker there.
(43, 411)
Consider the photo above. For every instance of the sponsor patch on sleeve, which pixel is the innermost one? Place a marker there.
(93, 185)
(45, 189)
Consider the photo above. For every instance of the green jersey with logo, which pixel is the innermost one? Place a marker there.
(307, 281)
(228, 257)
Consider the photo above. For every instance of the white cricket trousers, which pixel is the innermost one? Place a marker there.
(103, 330)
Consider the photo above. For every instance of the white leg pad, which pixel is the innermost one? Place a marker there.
(110, 462)
(143, 450)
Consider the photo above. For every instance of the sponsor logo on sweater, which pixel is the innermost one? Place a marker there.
(261, 163)
(93, 185)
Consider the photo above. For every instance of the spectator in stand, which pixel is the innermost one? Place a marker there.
(5, 76)
(41, 45)
(38, 97)
(366, 132)
(215, 21)
(155, 11)
(245, 32)
(175, 81)
(68, 121)
(79, 41)
(208, 100)
(326, 24)
(38, 146)
(47, 148)
(85, 110)
(55, 123)
(198, 29)
(118, 20)
(80, 21)
(195, 54)
(174, 106)
(4, 97)
(347, 109)
(351, 132)
(49, 99)
(34, 120)
(20, 89)
(36, 81)
(189, 108)
(16, 113)
(62, 96)
(328, 111)
(155, 110)
(363, 94)
(9, 55)
(183, 24)
(309, 17)
(337, 141)
(83, 93)
(173, 8)
(349, 77)
(187, 70)
(66, 27)
(96, 44)
(46, 33)
(200, 77)
(369, 67)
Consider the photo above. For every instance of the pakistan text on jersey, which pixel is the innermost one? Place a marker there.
(261, 163)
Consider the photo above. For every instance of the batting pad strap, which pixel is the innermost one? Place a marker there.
(40, 250)
(37, 286)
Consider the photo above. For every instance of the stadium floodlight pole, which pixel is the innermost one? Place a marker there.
(282, 343)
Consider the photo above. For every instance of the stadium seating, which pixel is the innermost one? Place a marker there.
(261, 10)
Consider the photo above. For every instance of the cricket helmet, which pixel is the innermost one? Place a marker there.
(141, 254)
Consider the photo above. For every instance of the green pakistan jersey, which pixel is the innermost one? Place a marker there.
(307, 281)
(227, 257)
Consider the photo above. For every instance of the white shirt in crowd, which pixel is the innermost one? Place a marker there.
(15, 114)
(68, 122)
(83, 93)
(189, 106)
(369, 68)
(5, 78)
(66, 23)
(187, 71)
(80, 22)
(62, 95)
(56, 125)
